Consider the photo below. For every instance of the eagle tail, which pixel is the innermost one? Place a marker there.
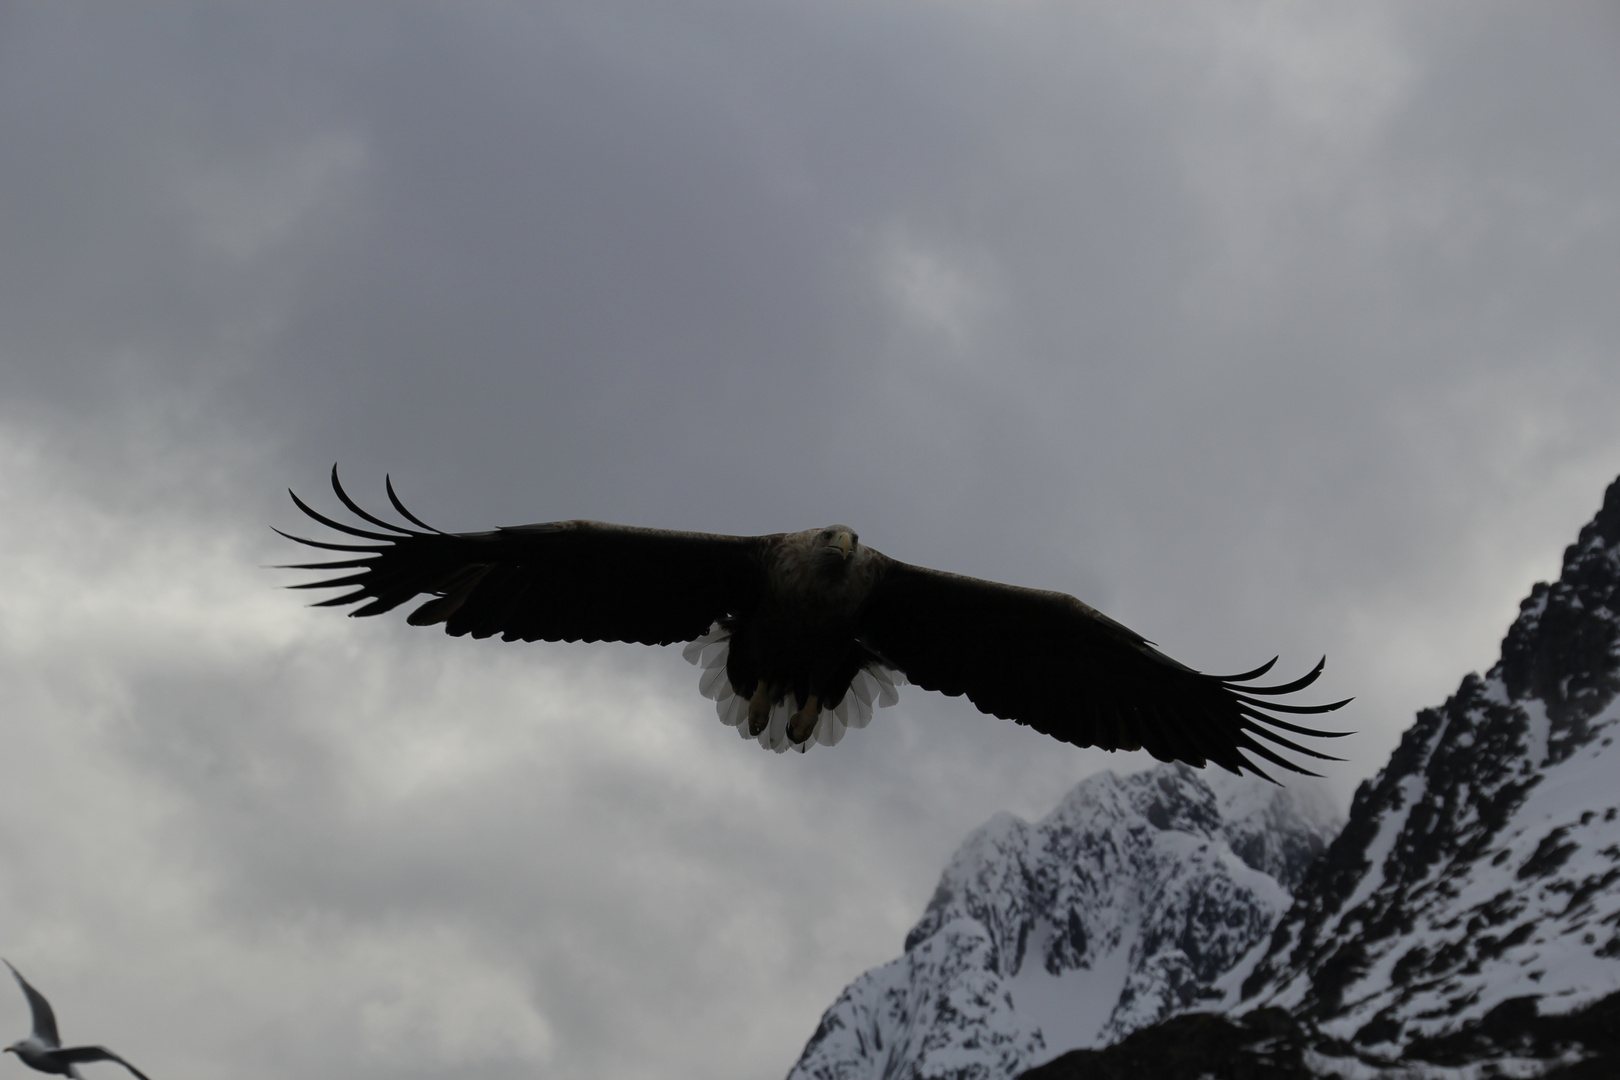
(873, 686)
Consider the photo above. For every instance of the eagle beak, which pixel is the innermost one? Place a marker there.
(845, 543)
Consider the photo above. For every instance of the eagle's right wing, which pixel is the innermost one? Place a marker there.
(557, 581)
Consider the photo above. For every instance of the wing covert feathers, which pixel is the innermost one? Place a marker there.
(555, 581)
(1049, 661)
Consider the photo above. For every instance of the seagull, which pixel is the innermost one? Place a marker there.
(44, 1051)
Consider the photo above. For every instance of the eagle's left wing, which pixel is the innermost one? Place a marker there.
(1047, 660)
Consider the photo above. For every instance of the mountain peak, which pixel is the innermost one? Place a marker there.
(1118, 908)
(1477, 866)
(1561, 649)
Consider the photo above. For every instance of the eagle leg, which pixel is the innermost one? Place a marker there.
(759, 709)
(803, 724)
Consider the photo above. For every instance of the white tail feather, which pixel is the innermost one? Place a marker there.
(715, 636)
(733, 711)
(887, 680)
(710, 683)
(830, 729)
(774, 737)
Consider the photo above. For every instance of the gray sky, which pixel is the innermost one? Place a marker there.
(1263, 328)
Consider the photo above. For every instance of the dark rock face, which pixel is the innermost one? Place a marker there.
(1267, 1044)
(1561, 650)
(1271, 1044)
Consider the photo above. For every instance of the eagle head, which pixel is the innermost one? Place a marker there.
(837, 542)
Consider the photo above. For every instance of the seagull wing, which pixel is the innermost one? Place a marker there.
(44, 1019)
(1047, 660)
(77, 1055)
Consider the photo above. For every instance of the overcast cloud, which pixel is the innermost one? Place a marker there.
(1264, 328)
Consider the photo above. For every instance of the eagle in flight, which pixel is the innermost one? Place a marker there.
(800, 634)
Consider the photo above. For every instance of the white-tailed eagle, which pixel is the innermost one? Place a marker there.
(799, 634)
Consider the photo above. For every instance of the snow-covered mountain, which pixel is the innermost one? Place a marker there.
(1118, 909)
(1466, 922)
(1483, 863)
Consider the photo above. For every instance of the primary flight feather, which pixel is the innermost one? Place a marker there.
(800, 634)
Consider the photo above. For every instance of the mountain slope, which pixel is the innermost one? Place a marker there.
(1116, 910)
(1480, 865)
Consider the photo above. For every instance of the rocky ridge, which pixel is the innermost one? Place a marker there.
(1480, 865)
(1466, 921)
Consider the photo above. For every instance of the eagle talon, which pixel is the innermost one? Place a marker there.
(759, 709)
(803, 724)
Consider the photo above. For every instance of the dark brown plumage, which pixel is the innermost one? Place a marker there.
(801, 632)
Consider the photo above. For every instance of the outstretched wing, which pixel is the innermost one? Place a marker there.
(1047, 660)
(44, 1019)
(560, 581)
(78, 1055)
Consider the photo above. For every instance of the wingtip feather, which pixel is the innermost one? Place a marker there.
(338, 525)
(359, 511)
(388, 485)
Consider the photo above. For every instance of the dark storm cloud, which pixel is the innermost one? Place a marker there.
(1264, 328)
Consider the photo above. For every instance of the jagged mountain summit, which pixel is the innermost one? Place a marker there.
(1481, 864)
(1118, 909)
(1466, 922)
